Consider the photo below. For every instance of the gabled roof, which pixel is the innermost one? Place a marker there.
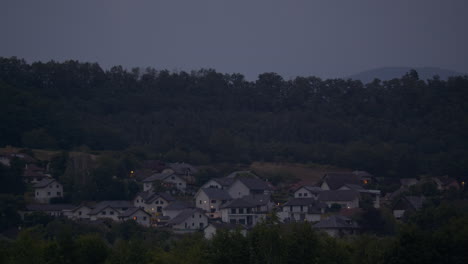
(338, 195)
(178, 205)
(118, 204)
(336, 180)
(215, 193)
(254, 184)
(158, 177)
(182, 216)
(337, 222)
(225, 182)
(182, 168)
(48, 207)
(310, 188)
(415, 201)
(129, 212)
(33, 174)
(44, 183)
(150, 196)
(354, 187)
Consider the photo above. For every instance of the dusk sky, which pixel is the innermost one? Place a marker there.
(297, 37)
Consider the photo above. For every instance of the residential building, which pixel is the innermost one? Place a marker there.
(210, 200)
(47, 189)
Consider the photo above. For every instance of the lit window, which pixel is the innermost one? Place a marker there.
(135, 218)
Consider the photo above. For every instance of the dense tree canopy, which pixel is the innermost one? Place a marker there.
(401, 127)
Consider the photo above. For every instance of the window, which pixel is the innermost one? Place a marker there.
(232, 221)
(200, 201)
(37, 193)
(161, 202)
(135, 218)
(233, 210)
(103, 213)
(213, 201)
(212, 210)
(173, 177)
(157, 202)
(144, 218)
(48, 193)
(59, 193)
(193, 216)
(305, 194)
(242, 221)
(193, 224)
(111, 212)
(201, 225)
(79, 212)
(241, 210)
(300, 194)
(180, 183)
(302, 208)
(57, 185)
(199, 216)
(159, 209)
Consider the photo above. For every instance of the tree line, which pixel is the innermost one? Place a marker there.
(434, 235)
(398, 128)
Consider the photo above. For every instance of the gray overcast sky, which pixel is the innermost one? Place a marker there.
(325, 38)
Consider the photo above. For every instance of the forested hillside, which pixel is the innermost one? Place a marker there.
(402, 127)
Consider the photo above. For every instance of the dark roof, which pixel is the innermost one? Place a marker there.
(300, 201)
(215, 193)
(154, 165)
(33, 174)
(178, 205)
(48, 207)
(337, 221)
(254, 184)
(225, 182)
(149, 196)
(44, 183)
(248, 201)
(118, 204)
(239, 203)
(184, 215)
(129, 212)
(182, 168)
(354, 187)
(336, 180)
(415, 201)
(158, 177)
(338, 195)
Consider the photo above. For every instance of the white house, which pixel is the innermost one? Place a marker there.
(110, 209)
(302, 209)
(307, 192)
(152, 202)
(344, 198)
(168, 179)
(248, 210)
(189, 220)
(210, 200)
(334, 181)
(136, 214)
(220, 183)
(248, 186)
(79, 212)
(47, 189)
(176, 207)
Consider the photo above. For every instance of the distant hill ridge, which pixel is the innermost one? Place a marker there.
(388, 73)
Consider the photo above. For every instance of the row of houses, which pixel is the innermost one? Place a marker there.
(238, 200)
